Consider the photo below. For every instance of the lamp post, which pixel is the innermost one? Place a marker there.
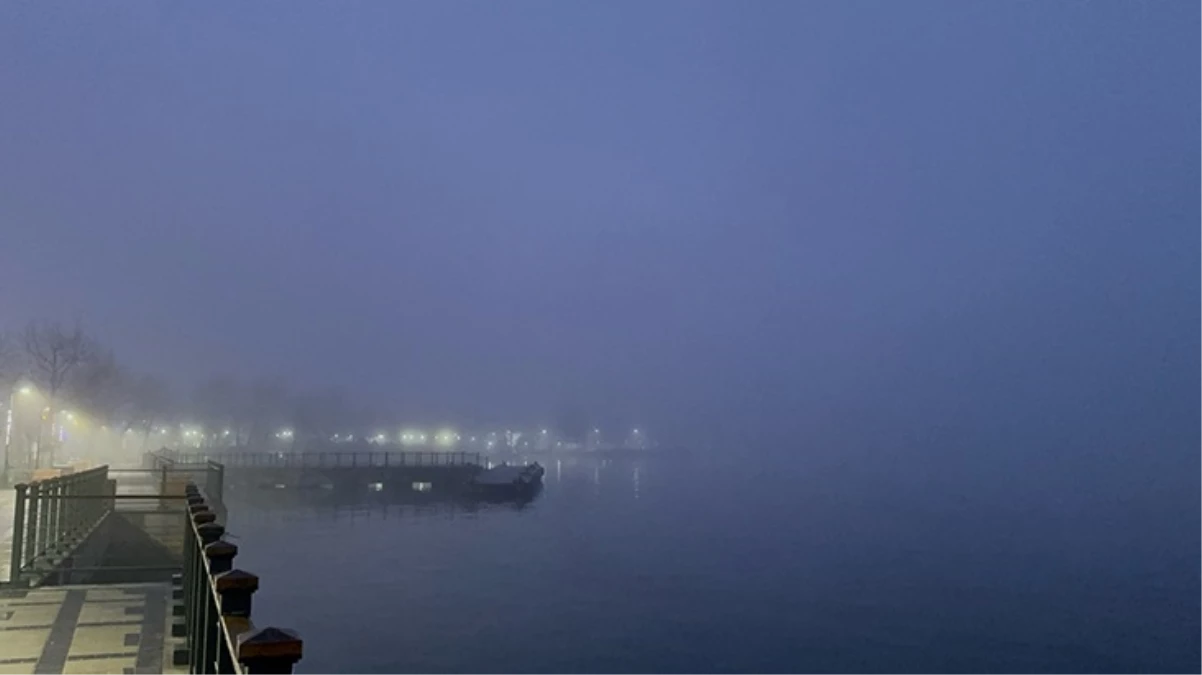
(10, 419)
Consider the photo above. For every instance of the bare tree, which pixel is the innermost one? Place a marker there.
(219, 403)
(266, 409)
(148, 405)
(10, 361)
(55, 356)
(100, 386)
(318, 416)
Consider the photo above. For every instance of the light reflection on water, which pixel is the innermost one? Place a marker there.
(654, 566)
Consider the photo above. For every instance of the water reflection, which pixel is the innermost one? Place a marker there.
(250, 503)
(593, 478)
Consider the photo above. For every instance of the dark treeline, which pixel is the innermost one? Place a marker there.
(60, 381)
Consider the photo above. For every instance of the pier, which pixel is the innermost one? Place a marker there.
(129, 571)
(443, 472)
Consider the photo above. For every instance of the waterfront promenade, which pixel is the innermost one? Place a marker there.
(129, 571)
(111, 628)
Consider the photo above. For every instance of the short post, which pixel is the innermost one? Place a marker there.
(110, 489)
(221, 556)
(18, 533)
(236, 588)
(69, 520)
(220, 496)
(195, 579)
(269, 650)
(52, 521)
(31, 523)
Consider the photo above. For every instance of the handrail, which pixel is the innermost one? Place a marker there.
(54, 515)
(320, 460)
(217, 604)
(165, 465)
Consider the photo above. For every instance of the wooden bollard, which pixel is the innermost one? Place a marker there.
(269, 650)
(204, 517)
(236, 588)
(209, 532)
(221, 556)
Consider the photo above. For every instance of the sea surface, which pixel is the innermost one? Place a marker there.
(729, 565)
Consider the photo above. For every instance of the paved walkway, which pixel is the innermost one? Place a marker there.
(87, 629)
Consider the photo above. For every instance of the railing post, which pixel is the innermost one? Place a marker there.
(18, 533)
(221, 482)
(74, 506)
(269, 650)
(110, 489)
(195, 579)
(71, 508)
(52, 521)
(31, 523)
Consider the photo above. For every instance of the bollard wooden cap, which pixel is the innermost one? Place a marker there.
(211, 531)
(236, 580)
(269, 643)
(204, 517)
(221, 549)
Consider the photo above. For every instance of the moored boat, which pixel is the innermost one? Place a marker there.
(508, 480)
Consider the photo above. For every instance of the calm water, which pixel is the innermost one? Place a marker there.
(649, 566)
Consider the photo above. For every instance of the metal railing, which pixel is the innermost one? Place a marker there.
(205, 472)
(323, 460)
(51, 517)
(217, 604)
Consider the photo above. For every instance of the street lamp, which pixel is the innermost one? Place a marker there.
(23, 390)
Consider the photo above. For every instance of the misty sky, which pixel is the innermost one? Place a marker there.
(918, 217)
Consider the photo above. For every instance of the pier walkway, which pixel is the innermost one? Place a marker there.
(442, 472)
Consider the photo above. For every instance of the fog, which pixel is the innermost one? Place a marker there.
(936, 241)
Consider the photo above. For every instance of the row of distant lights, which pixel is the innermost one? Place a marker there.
(410, 437)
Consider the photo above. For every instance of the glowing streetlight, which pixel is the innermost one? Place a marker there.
(22, 389)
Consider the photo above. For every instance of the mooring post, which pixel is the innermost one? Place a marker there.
(221, 556)
(269, 650)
